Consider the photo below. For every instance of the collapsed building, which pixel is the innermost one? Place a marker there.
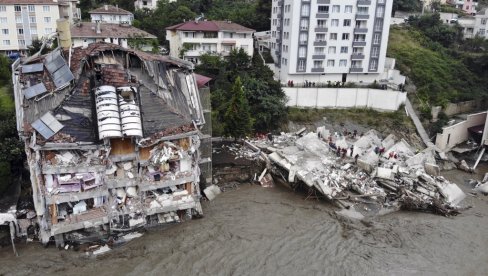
(363, 173)
(112, 138)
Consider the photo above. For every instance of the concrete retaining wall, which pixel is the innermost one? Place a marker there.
(384, 100)
(458, 133)
(458, 108)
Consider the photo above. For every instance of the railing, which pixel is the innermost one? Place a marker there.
(318, 69)
(320, 43)
(357, 56)
(356, 69)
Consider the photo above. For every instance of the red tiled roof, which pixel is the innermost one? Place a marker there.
(27, 2)
(87, 29)
(201, 80)
(209, 26)
(110, 9)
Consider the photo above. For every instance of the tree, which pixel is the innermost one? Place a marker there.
(237, 119)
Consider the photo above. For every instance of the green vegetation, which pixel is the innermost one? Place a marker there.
(430, 53)
(237, 119)
(11, 148)
(263, 94)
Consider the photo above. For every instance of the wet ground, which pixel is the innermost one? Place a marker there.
(274, 231)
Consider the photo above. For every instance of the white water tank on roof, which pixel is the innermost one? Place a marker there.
(107, 112)
(130, 114)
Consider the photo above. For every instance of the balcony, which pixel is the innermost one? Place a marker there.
(318, 70)
(362, 16)
(321, 15)
(321, 29)
(357, 56)
(323, 1)
(320, 43)
(356, 70)
(360, 30)
(364, 2)
(279, 15)
(359, 43)
(318, 56)
(303, 42)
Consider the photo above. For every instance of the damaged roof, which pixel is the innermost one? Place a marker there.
(165, 110)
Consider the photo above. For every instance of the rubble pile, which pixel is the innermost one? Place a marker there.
(352, 170)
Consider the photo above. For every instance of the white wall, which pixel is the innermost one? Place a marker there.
(458, 133)
(386, 100)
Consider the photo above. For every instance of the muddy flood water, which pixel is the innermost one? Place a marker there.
(274, 231)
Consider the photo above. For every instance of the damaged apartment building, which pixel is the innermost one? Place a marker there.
(112, 138)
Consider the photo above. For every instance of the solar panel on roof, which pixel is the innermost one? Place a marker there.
(57, 67)
(34, 90)
(32, 68)
(43, 129)
(47, 125)
(51, 122)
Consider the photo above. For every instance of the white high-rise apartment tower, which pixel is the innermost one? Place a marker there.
(330, 40)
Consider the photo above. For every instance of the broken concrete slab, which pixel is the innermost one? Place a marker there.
(432, 169)
(211, 192)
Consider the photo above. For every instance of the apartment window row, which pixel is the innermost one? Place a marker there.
(335, 22)
(333, 36)
(284, 61)
(335, 9)
(285, 48)
(30, 8)
(286, 35)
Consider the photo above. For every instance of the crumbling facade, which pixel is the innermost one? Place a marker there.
(112, 139)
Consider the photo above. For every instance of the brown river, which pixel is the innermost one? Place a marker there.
(274, 231)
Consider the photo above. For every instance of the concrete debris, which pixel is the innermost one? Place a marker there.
(482, 188)
(102, 250)
(353, 170)
(464, 166)
(212, 192)
(267, 181)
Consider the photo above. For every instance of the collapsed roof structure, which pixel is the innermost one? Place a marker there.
(112, 139)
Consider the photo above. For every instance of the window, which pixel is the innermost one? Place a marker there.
(323, 9)
(342, 63)
(376, 39)
(332, 49)
(48, 30)
(345, 36)
(319, 50)
(303, 38)
(302, 52)
(321, 23)
(306, 10)
(373, 65)
(301, 65)
(344, 50)
(380, 11)
(20, 31)
(481, 32)
(33, 31)
(3, 8)
(318, 64)
(32, 8)
(374, 52)
(378, 26)
(47, 19)
(18, 19)
(32, 19)
(6, 42)
(5, 31)
(46, 8)
(362, 10)
(330, 63)
(17, 9)
(333, 36)
(3, 20)
(336, 9)
(334, 23)
(189, 34)
(348, 9)
(483, 21)
(320, 37)
(304, 24)
(144, 3)
(21, 42)
(347, 22)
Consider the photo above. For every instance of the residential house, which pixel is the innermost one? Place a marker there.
(147, 4)
(475, 25)
(22, 21)
(112, 140)
(111, 14)
(189, 40)
(85, 33)
(319, 41)
(468, 6)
